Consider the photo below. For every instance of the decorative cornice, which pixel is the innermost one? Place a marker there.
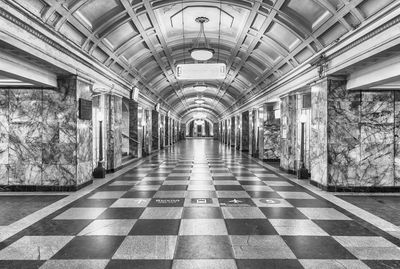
(322, 65)
(365, 37)
(25, 26)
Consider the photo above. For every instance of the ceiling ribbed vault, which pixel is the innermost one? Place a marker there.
(259, 41)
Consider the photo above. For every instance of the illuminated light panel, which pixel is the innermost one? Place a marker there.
(201, 71)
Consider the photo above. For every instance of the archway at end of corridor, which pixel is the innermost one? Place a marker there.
(199, 128)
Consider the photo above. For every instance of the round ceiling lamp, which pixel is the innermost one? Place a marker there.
(199, 101)
(200, 87)
(201, 52)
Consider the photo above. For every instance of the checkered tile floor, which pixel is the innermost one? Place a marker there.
(200, 205)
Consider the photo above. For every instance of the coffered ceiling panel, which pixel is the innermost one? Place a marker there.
(259, 41)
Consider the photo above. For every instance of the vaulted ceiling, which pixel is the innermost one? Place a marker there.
(259, 41)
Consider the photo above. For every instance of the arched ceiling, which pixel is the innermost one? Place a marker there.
(259, 41)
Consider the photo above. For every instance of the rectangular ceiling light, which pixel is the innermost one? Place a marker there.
(201, 72)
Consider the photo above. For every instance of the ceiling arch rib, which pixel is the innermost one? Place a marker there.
(259, 42)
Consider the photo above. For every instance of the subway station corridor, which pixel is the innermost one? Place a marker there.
(198, 204)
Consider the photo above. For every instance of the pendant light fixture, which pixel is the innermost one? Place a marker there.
(200, 87)
(201, 52)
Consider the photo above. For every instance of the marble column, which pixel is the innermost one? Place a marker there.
(183, 131)
(113, 127)
(166, 128)
(238, 132)
(162, 131)
(271, 131)
(355, 137)
(215, 130)
(133, 129)
(288, 161)
(245, 131)
(154, 129)
(44, 144)
(226, 132)
(233, 131)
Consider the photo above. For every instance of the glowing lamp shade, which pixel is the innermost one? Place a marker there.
(200, 88)
(201, 54)
(199, 101)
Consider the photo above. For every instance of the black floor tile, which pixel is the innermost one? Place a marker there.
(21, 264)
(383, 264)
(282, 213)
(139, 194)
(155, 227)
(173, 188)
(114, 188)
(317, 247)
(286, 188)
(344, 228)
(251, 182)
(177, 178)
(309, 203)
(268, 264)
(263, 194)
(139, 264)
(203, 247)
(243, 174)
(202, 213)
(150, 183)
(90, 247)
(121, 213)
(215, 177)
(249, 227)
(93, 202)
(157, 174)
(56, 227)
(229, 188)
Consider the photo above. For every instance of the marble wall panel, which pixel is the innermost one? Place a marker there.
(154, 129)
(84, 172)
(271, 135)
(84, 137)
(245, 131)
(319, 136)
(133, 128)
(233, 128)
(114, 131)
(59, 174)
(4, 128)
(166, 128)
(215, 130)
(361, 137)
(3, 174)
(396, 124)
(41, 137)
(289, 133)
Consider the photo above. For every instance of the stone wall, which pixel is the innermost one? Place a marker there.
(355, 137)
(272, 135)
(42, 140)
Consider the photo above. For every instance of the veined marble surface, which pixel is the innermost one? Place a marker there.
(114, 131)
(318, 138)
(355, 140)
(288, 132)
(245, 135)
(272, 136)
(39, 136)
